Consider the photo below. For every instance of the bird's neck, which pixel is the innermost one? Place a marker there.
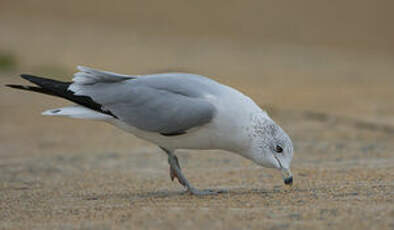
(244, 133)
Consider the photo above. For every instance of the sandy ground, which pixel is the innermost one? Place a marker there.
(332, 94)
(66, 174)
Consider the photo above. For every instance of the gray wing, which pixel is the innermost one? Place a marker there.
(164, 103)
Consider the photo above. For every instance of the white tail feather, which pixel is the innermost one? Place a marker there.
(77, 112)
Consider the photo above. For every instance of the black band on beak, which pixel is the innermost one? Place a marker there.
(289, 180)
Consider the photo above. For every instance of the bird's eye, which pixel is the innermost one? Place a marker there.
(278, 149)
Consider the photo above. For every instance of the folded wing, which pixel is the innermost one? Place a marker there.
(162, 104)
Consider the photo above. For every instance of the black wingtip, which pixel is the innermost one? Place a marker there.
(31, 78)
(16, 86)
(58, 89)
(25, 75)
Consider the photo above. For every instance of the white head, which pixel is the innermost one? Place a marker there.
(270, 146)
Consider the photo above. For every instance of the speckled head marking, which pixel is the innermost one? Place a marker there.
(270, 146)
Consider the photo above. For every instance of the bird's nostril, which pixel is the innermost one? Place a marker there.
(289, 180)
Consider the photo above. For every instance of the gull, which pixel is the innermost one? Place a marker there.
(174, 111)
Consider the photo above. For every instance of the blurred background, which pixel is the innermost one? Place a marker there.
(323, 69)
(306, 54)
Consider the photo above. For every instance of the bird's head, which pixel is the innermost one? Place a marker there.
(270, 146)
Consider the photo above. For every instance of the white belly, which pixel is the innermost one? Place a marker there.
(204, 137)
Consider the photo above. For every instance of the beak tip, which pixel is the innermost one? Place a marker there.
(288, 180)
